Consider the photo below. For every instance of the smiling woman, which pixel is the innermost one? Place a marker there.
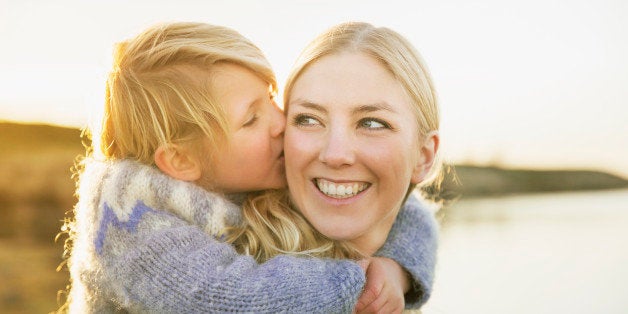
(361, 132)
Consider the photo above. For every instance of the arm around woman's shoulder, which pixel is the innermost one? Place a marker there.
(147, 243)
(179, 268)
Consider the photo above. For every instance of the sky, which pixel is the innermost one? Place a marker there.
(525, 84)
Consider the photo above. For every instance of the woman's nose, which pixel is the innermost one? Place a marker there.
(337, 150)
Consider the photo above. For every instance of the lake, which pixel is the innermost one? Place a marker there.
(541, 253)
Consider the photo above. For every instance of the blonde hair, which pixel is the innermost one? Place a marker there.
(397, 55)
(154, 96)
(274, 226)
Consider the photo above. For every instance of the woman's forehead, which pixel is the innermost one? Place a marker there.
(349, 78)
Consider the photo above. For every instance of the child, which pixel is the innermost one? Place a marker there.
(189, 110)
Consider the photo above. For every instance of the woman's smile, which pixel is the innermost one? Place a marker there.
(340, 190)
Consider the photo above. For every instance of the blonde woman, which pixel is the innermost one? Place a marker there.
(190, 129)
(361, 134)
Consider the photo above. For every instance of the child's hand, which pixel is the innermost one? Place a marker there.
(386, 283)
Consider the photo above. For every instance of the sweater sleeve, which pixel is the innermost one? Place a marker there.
(412, 242)
(176, 267)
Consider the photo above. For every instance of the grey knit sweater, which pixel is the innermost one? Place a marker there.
(145, 242)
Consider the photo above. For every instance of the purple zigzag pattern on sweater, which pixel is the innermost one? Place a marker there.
(109, 218)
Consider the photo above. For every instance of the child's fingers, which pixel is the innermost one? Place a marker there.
(377, 306)
(372, 289)
(384, 303)
(369, 295)
(390, 306)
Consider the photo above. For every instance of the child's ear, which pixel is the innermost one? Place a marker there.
(426, 160)
(178, 162)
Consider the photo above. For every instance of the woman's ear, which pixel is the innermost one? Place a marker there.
(429, 149)
(178, 162)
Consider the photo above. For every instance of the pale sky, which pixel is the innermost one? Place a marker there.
(535, 83)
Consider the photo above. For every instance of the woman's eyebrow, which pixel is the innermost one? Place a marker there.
(309, 105)
(374, 107)
(359, 109)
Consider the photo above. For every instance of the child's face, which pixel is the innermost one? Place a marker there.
(252, 158)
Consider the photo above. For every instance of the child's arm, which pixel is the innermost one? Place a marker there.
(412, 242)
(176, 267)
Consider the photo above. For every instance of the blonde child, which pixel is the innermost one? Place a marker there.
(190, 128)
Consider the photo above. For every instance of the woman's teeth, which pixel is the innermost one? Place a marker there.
(340, 190)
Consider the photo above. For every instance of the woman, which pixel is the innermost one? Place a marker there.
(361, 133)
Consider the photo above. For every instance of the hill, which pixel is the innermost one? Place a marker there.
(486, 181)
(20, 138)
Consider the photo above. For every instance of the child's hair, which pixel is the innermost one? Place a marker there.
(397, 55)
(155, 95)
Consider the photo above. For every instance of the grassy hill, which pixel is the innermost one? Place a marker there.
(36, 189)
(36, 186)
(19, 138)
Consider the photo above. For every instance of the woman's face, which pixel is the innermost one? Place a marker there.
(351, 148)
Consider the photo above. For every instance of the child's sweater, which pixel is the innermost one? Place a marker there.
(145, 242)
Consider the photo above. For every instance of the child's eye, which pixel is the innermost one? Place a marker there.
(305, 120)
(250, 121)
(373, 124)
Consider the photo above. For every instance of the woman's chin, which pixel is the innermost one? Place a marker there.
(338, 233)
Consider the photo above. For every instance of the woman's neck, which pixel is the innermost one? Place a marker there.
(374, 239)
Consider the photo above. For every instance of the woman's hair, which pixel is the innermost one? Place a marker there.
(273, 227)
(397, 55)
(156, 95)
(268, 233)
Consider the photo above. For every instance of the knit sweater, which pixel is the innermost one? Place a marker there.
(413, 242)
(145, 242)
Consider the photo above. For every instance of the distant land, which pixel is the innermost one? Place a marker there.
(18, 138)
(478, 181)
(469, 180)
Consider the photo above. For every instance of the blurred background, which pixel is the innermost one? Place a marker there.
(533, 97)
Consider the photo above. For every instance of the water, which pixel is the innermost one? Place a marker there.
(548, 253)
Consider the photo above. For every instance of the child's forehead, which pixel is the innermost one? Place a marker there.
(206, 75)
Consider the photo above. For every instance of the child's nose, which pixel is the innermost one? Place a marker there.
(278, 123)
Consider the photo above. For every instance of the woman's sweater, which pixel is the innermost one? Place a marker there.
(145, 242)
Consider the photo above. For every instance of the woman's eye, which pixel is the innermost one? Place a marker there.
(305, 120)
(374, 124)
